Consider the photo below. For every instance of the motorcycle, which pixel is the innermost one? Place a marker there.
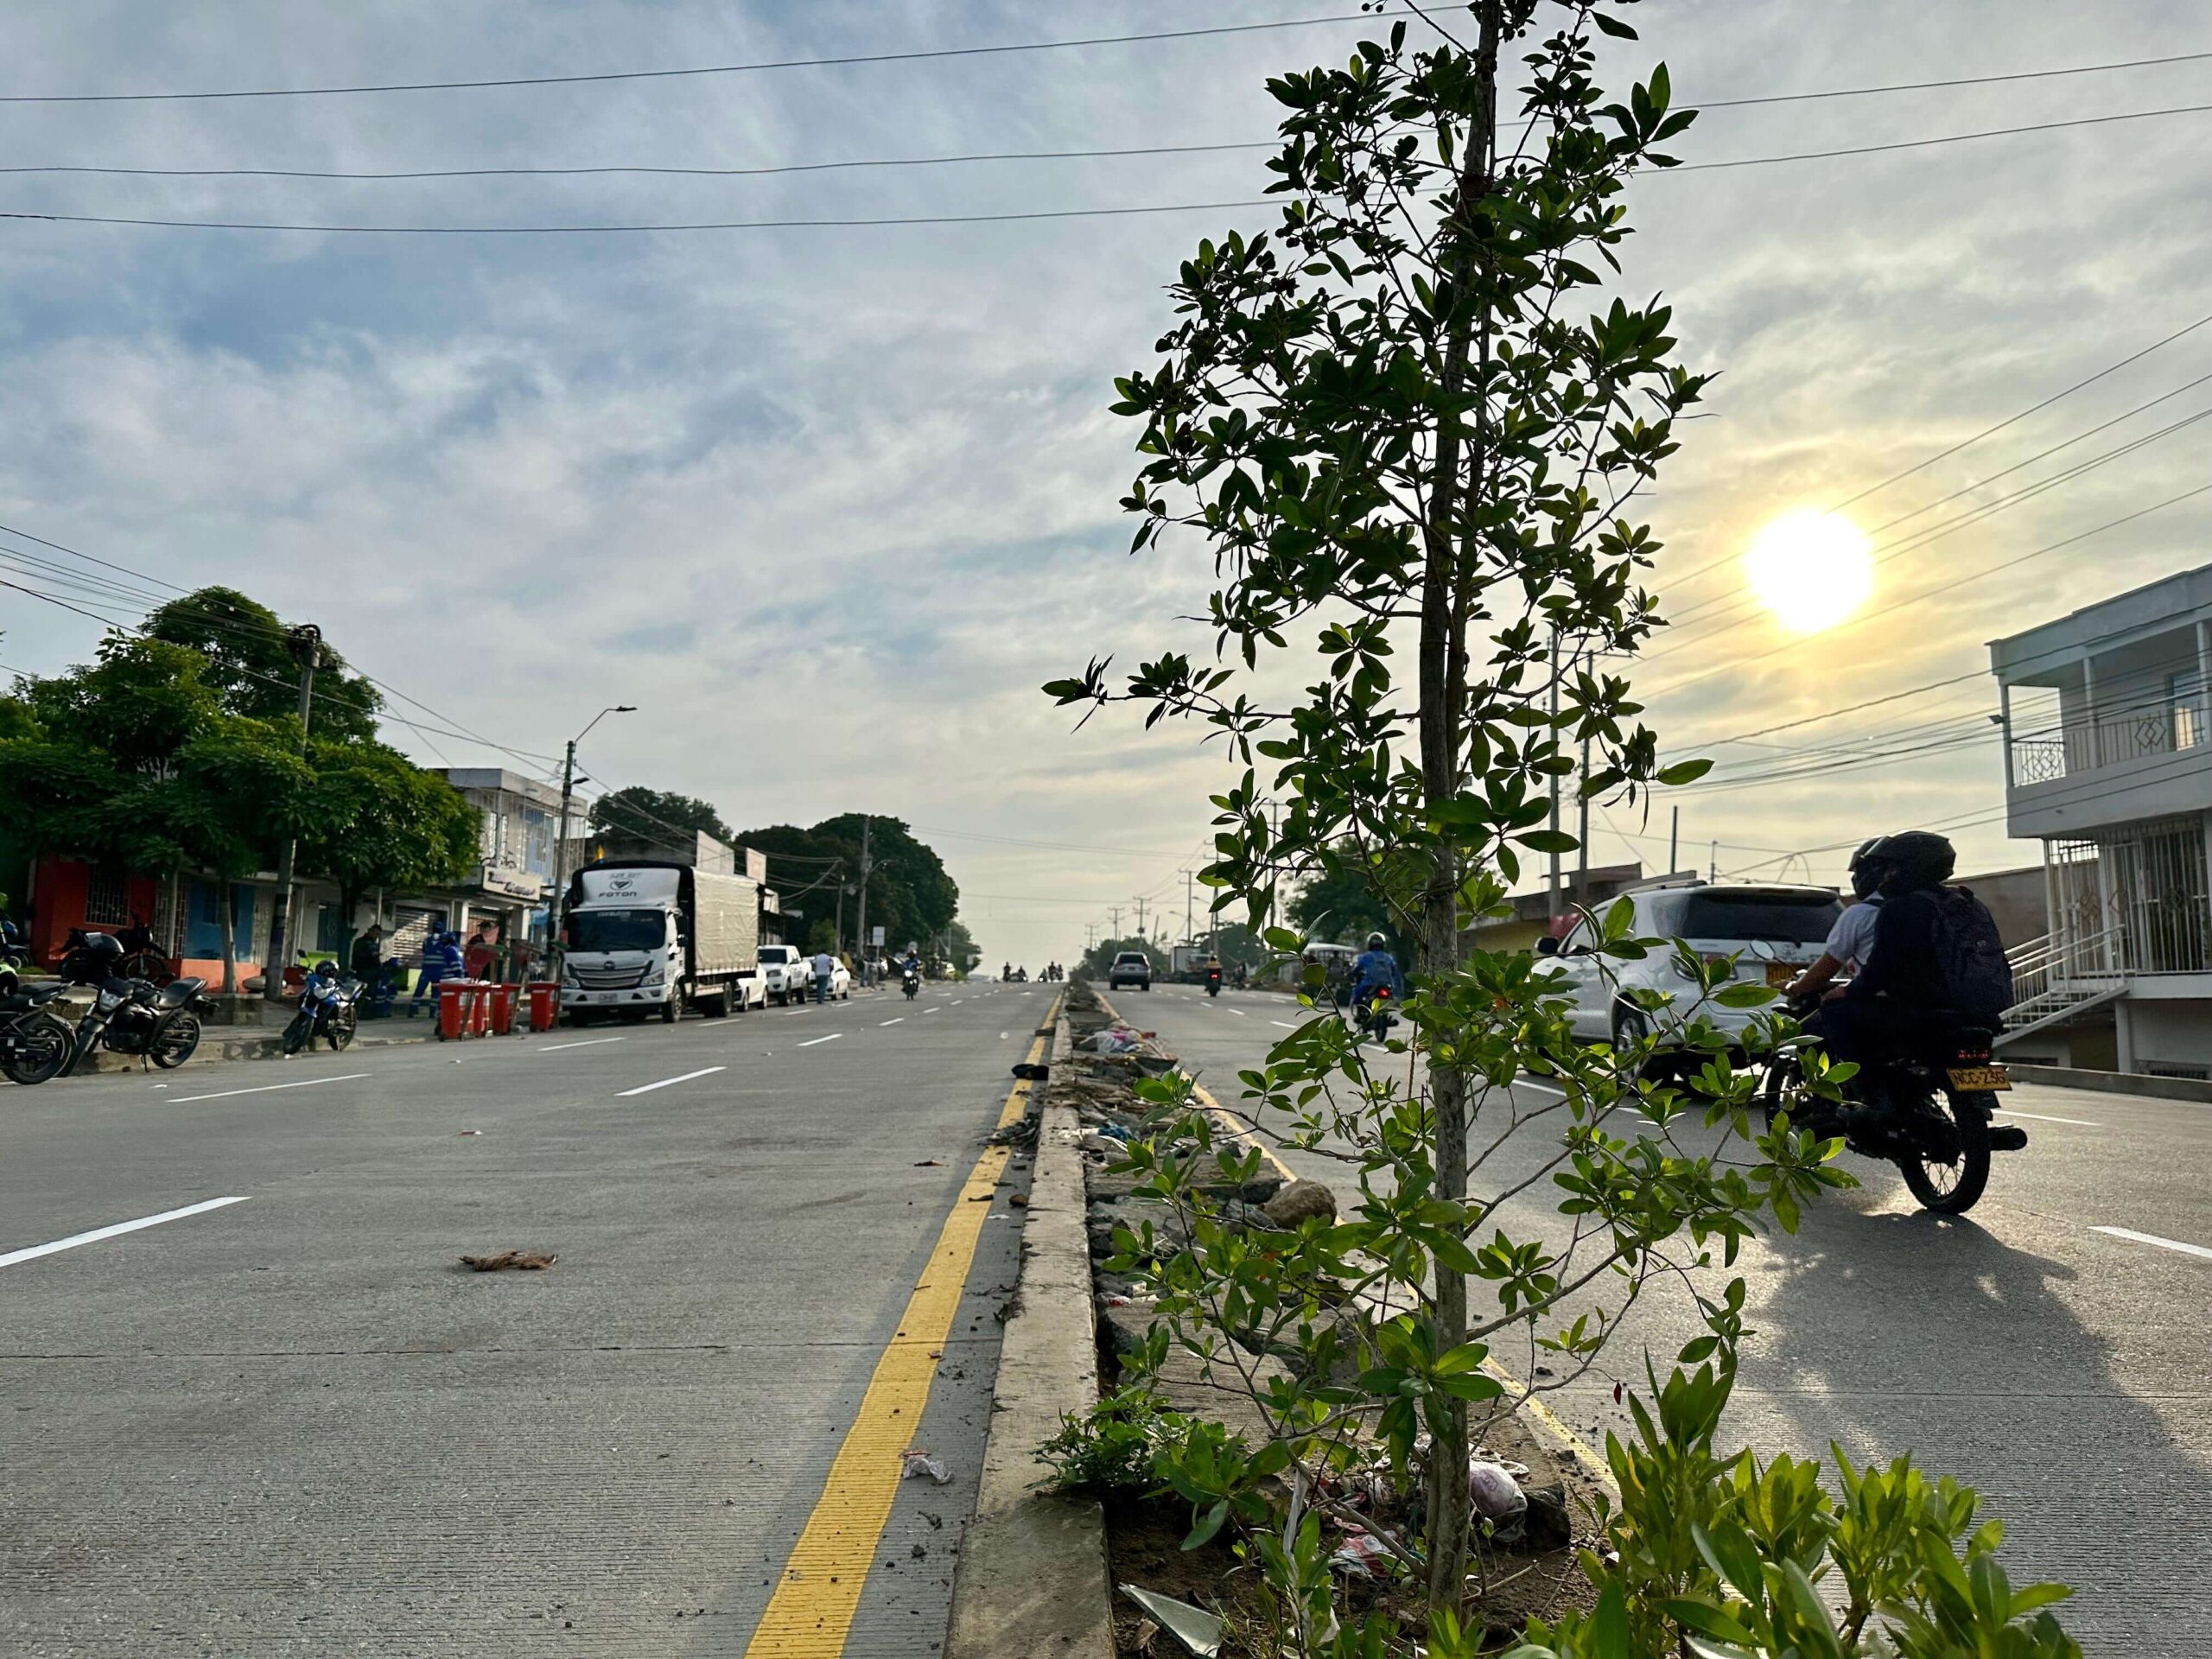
(35, 1039)
(1375, 1016)
(327, 1010)
(1213, 982)
(132, 1016)
(911, 984)
(1930, 1113)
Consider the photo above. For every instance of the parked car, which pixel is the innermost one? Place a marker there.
(840, 981)
(1774, 932)
(787, 973)
(1130, 968)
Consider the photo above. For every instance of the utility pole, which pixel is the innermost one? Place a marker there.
(553, 946)
(1674, 840)
(838, 870)
(1582, 832)
(1551, 906)
(1116, 911)
(1190, 881)
(868, 863)
(1141, 905)
(1713, 870)
(305, 643)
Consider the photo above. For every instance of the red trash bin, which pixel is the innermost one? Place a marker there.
(503, 1009)
(479, 1008)
(544, 1004)
(451, 1006)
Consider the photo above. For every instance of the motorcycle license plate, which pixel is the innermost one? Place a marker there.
(1779, 974)
(1981, 1079)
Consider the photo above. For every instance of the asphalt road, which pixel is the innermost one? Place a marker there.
(2063, 1369)
(293, 1424)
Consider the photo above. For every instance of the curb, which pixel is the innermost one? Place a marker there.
(2115, 1083)
(1033, 1577)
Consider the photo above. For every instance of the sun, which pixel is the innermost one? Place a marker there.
(1811, 570)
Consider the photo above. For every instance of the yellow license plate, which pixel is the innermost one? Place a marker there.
(1779, 974)
(1981, 1079)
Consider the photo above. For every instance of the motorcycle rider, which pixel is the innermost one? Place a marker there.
(1377, 968)
(1899, 1001)
(1853, 937)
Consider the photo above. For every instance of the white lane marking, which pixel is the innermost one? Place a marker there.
(589, 1042)
(900, 1020)
(2044, 1117)
(263, 1089)
(1548, 1088)
(99, 1233)
(646, 1089)
(932, 1010)
(1285, 1024)
(1239, 1013)
(831, 1038)
(957, 1001)
(2115, 1232)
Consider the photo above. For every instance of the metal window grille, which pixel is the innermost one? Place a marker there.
(2136, 898)
(108, 897)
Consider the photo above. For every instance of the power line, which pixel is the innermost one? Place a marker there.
(842, 61)
(1927, 144)
(883, 221)
(1962, 80)
(646, 171)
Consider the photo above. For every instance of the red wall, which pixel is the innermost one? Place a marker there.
(59, 888)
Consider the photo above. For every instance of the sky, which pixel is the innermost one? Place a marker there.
(829, 505)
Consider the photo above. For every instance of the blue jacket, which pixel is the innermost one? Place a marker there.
(1375, 970)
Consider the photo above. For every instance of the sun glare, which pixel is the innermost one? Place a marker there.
(1812, 570)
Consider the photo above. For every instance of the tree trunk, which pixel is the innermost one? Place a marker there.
(227, 917)
(1447, 580)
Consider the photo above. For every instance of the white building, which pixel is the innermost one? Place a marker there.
(2108, 763)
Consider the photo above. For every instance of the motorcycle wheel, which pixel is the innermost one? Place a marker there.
(297, 1034)
(44, 1053)
(342, 1027)
(179, 1042)
(1953, 1188)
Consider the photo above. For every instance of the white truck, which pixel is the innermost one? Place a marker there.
(651, 938)
(787, 973)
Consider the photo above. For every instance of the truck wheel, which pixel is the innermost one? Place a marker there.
(717, 1007)
(672, 1010)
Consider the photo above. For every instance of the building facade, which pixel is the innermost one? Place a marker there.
(2109, 764)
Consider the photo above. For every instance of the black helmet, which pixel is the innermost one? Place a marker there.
(1376, 942)
(1916, 859)
(1866, 869)
(94, 960)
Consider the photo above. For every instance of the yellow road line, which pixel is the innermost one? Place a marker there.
(811, 1612)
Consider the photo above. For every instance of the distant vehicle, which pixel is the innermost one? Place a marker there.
(787, 973)
(1335, 962)
(1130, 968)
(1775, 932)
(911, 982)
(1186, 964)
(654, 937)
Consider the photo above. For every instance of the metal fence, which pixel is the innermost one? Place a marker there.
(2136, 899)
(2050, 742)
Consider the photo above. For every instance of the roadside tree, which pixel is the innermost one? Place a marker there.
(1408, 423)
(652, 814)
(371, 818)
(251, 668)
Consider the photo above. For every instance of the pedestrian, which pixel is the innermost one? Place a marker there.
(366, 961)
(825, 969)
(480, 956)
(442, 960)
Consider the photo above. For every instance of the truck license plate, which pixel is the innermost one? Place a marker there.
(1981, 1079)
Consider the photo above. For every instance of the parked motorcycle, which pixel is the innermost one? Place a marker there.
(132, 1016)
(911, 984)
(36, 1038)
(327, 1010)
(1928, 1113)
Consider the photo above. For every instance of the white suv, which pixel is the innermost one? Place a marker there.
(1130, 968)
(787, 973)
(1775, 933)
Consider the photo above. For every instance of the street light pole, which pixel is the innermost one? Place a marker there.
(561, 839)
(859, 921)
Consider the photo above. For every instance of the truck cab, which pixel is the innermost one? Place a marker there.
(625, 951)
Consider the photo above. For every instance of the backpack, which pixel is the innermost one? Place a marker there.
(1970, 955)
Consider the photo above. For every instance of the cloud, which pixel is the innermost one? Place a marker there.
(829, 505)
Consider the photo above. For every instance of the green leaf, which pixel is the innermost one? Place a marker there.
(1613, 26)
(1609, 1624)
(1548, 840)
(1684, 771)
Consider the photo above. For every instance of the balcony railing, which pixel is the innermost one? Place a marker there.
(2047, 753)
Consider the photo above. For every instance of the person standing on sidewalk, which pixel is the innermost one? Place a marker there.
(825, 969)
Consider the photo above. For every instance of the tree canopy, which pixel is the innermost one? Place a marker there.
(652, 814)
(909, 894)
(251, 665)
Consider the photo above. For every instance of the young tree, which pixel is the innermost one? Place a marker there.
(1399, 425)
(252, 668)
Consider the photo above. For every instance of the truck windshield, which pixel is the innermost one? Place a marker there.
(618, 929)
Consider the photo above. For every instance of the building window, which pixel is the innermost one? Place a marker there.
(108, 897)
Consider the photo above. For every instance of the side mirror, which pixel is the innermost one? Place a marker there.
(1548, 946)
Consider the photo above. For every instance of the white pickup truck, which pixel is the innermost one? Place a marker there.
(787, 973)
